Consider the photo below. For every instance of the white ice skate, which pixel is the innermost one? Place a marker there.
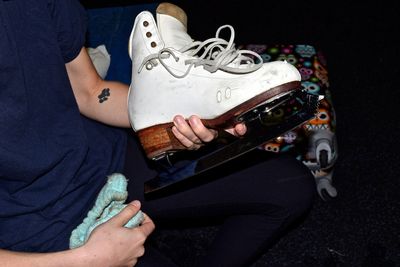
(173, 74)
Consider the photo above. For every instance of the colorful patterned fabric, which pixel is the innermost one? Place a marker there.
(315, 141)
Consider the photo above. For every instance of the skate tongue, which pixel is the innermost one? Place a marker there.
(172, 25)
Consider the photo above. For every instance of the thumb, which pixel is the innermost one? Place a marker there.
(126, 213)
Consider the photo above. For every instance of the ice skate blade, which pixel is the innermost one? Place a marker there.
(261, 129)
(159, 140)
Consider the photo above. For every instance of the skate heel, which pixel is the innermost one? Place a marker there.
(158, 140)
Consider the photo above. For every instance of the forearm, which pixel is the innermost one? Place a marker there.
(67, 258)
(107, 104)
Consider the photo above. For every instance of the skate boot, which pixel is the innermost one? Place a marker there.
(175, 75)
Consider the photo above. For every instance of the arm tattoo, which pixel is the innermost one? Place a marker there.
(104, 95)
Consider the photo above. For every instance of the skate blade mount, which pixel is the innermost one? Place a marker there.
(264, 123)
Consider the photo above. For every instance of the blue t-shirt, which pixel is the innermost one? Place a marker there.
(53, 161)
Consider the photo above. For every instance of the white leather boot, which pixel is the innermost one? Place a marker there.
(174, 75)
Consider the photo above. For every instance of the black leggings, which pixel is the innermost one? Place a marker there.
(256, 197)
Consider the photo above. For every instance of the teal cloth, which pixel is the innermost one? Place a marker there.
(109, 203)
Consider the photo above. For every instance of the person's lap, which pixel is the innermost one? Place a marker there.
(262, 191)
(237, 181)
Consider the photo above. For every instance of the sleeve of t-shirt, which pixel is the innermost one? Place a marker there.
(70, 21)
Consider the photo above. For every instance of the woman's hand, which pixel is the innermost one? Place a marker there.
(193, 134)
(112, 244)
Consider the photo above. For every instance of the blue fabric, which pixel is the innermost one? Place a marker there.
(53, 161)
(112, 27)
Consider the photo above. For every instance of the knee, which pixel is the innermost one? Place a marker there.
(299, 196)
(287, 198)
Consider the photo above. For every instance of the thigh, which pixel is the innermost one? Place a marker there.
(254, 183)
(154, 258)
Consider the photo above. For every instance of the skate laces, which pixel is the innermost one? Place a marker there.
(213, 54)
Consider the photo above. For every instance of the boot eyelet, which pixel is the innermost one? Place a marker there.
(145, 23)
(148, 34)
(149, 66)
(153, 44)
